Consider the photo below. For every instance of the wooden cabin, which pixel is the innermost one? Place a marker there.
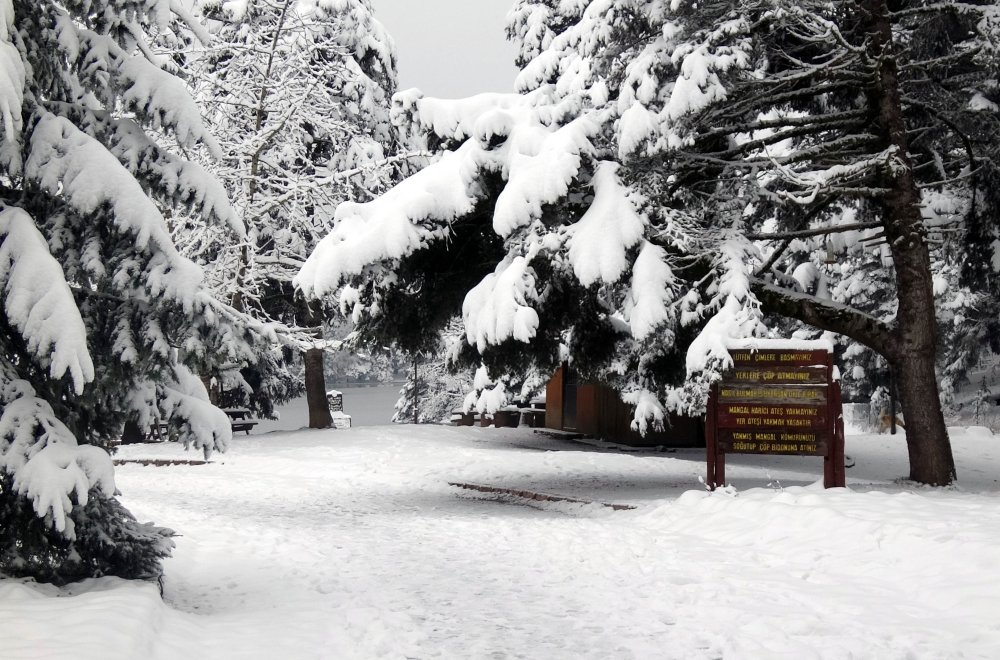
(597, 410)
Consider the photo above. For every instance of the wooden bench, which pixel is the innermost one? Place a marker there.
(240, 420)
(155, 432)
(244, 425)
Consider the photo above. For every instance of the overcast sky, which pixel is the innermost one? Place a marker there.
(450, 48)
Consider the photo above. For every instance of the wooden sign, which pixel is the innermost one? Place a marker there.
(778, 401)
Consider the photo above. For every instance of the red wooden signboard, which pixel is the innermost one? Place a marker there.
(778, 401)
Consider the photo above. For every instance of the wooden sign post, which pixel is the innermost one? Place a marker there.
(776, 401)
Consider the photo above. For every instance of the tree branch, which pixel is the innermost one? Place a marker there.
(819, 231)
(826, 315)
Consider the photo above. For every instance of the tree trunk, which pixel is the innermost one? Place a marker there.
(912, 353)
(931, 460)
(319, 410)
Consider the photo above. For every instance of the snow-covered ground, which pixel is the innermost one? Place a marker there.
(351, 544)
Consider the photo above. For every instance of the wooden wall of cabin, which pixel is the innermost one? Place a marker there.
(588, 397)
(600, 412)
(554, 401)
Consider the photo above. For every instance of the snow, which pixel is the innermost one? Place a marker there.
(498, 307)
(39, 302)
(59, 475)
(49, 469)
(780, 344)
(382, 229)
(11, 76)
(538, 155)
(351, 544)
(599, 241)
(653, 285)
(89, 177)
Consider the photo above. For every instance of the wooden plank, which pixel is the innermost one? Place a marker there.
(837, 454)
(761, 441)
(776, 394)
(752, 375)
(587, 396)
(777, 358)
(772, 417)
(554, 400)
(157, 462)
(711, 446)
(538, 497)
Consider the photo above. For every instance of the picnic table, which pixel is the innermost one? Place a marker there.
(157, 431)
(240, 419)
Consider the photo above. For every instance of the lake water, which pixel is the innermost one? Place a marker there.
(367, 406)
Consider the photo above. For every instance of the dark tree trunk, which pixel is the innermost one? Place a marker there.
(319, 409)
(931, 460)
(912, 353)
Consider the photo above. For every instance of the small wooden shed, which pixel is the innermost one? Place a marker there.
(598, 411)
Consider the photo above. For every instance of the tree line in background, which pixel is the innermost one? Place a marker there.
(197, 205)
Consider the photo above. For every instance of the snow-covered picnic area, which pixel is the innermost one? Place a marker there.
(352, 544)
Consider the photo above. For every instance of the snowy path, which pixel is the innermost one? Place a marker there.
(351, 545)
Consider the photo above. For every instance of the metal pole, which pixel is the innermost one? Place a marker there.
(892, 403)
(416, 386)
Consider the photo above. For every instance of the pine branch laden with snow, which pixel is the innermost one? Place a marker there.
(38, 301)
(205, 427)
(49, 468)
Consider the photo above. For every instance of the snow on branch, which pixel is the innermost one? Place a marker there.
(497, 308)
(38, 300)
(539, 164)
(182, 180)
(50, 469)
(11, 77)
(598, 242)
(649, 413)
(654, 286)
(538, 160)
(88, 176)
(184, 399)
(396, 224)
(457, 118)
(738, 312)
(156, 96)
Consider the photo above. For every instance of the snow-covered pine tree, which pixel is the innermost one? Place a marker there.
(669, 169)
(102, 319)
(300, 92)
(437, 383)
